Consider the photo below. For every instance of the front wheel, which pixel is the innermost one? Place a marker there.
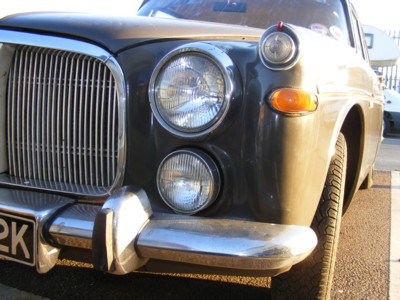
(312, 278)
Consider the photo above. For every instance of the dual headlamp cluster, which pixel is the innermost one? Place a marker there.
(191, 92)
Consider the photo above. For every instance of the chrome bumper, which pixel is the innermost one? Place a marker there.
(124, 234)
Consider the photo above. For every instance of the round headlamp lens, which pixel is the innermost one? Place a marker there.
(188, 181)
(190, 93)
(279, 48)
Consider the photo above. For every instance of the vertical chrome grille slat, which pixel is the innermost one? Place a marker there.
(60, 117)
(33, 121)
(23, 119)
(85, 122)
(11, 128)
(65, 119)
(102, 110)
(43, 117)
(91, 112)
(75, 104)
(39, 157)
(114, 132)
(80, 120)
(69, 120)
(18, 146)
(28, 80)
(96, 140)
(49, 103)
(54, 124)
(109, 157)
(62, 111)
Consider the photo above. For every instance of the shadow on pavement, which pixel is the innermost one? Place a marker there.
(72, 283)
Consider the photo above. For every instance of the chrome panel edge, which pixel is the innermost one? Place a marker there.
(59, 43)
(40, 207)
(74, 226)
(116, 230)
(6, 53)
(126, 235)
(138, 236)
(116, 70)
(22, 38)
(226, 243)
(62, 188)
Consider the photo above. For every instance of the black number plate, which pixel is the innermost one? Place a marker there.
(17, 238)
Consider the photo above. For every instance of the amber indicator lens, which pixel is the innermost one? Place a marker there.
(294, 101)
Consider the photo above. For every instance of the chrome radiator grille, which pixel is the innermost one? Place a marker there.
(62, 116)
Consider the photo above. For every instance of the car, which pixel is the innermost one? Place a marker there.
(391, 112)
(198, 136)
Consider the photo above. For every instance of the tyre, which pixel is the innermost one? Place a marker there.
(312, 278)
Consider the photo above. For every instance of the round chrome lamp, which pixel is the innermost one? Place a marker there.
(188, 181)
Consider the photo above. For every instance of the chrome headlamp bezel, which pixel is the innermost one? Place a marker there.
(230, 76)
(194, 160)
(285, 33)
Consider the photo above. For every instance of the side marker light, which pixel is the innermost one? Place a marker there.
(294, 101)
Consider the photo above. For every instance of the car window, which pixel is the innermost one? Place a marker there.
(356, 34)
(359, 45)
(324, 16)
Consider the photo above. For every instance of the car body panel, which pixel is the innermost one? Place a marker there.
(116, 33)
(273, 164)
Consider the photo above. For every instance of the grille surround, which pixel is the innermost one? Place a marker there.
(65, 110)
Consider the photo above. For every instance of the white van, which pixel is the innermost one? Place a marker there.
(384, 52)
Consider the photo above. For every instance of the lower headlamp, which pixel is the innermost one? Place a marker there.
(188, 181)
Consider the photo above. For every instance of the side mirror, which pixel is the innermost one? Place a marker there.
(383, 51)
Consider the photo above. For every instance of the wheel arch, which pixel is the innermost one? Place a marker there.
(353, 131)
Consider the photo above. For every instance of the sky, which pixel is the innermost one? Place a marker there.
(109, 7)
(383, 14)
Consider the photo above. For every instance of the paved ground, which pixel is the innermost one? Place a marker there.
(9, 293)
(362, 270)
(389, 154)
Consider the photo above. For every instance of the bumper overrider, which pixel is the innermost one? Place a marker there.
(124, 235)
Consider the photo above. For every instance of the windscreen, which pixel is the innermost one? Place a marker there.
(324, 16)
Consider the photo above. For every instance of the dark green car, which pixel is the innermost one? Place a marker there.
(199, 136)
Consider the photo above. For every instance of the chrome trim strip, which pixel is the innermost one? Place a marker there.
(116, 229)
(40, 208)
(6, 53)
(52, 42)
(9, 37)
(74, 226)
(123, 234)
(48, 186)
(231, 244)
